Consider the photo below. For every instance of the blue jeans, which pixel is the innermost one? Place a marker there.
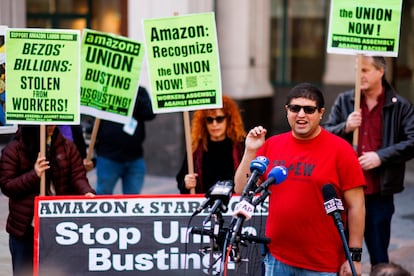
(108, 172)
(276, 268)
(379, 211)
(21, 250)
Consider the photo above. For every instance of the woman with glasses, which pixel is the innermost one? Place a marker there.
(217, 137)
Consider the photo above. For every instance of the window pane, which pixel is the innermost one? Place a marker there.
(107, 16)
(39, 23)
(307, 49)
(404, 64)
(297, 40)
(57, 6)
(76, 24)
(39, 6)
(101, 15)
(72, 6)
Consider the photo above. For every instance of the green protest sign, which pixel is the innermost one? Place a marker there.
(183, 62)
(369, 27)
(42, 68)
(111, 67)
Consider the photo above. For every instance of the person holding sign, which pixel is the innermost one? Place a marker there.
(303, 238)
(385, 122)
(217, 142)
(119, 150)
(21, 168)
(74, 133)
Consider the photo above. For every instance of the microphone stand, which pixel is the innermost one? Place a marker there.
(215, 233)
(217, 220)
(332, 207)
(345, 244)
(234, 236)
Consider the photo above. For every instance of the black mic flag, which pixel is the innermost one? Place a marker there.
(333, 205)
(218, 195)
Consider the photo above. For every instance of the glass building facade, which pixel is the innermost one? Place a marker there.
(298, 31)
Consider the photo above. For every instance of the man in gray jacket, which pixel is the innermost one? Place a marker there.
(385, 142)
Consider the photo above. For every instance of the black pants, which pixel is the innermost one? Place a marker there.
(379, 211)
(21, 250)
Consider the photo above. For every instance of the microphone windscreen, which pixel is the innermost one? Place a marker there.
(279, 173)
(328, 192)
(259, 164)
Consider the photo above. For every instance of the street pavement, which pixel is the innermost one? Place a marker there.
(402, 240)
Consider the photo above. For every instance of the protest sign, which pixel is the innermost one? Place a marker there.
(370, 27)
(43, 76)
(111, 67)
(183, 60)
(4, 127)
(136, 235)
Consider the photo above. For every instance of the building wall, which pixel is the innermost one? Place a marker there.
(243, 29)
(243, 35)
(13, 13)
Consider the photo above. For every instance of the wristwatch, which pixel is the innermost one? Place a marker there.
(356, 254)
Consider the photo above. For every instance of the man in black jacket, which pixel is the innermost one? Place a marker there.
(120, 153)
(385, 142)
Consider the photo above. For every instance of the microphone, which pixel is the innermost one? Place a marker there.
(202, 206)
(277, 175)
(220, 194)
(257, 167)
(245, 209)
(333, 207)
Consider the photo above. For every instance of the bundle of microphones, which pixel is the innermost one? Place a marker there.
(219, 195)
(253, 194)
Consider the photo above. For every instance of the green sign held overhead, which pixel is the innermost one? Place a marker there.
(111, 66)
(369, 27)
(183, 62)
(42, 68)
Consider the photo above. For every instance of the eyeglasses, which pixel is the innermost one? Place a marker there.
(218, 119)
(306, 108)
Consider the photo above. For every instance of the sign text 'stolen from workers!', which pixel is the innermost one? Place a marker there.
(44, 85)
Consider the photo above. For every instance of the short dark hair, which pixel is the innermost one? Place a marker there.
(308, 91)
(389, 269)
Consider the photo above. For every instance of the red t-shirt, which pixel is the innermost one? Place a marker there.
(301, 232)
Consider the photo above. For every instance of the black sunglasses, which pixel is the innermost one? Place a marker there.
(218, 119)
(306, 108)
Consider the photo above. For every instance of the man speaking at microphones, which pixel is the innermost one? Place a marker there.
(303, 238)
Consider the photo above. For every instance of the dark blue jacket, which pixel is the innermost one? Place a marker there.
(397, 137)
